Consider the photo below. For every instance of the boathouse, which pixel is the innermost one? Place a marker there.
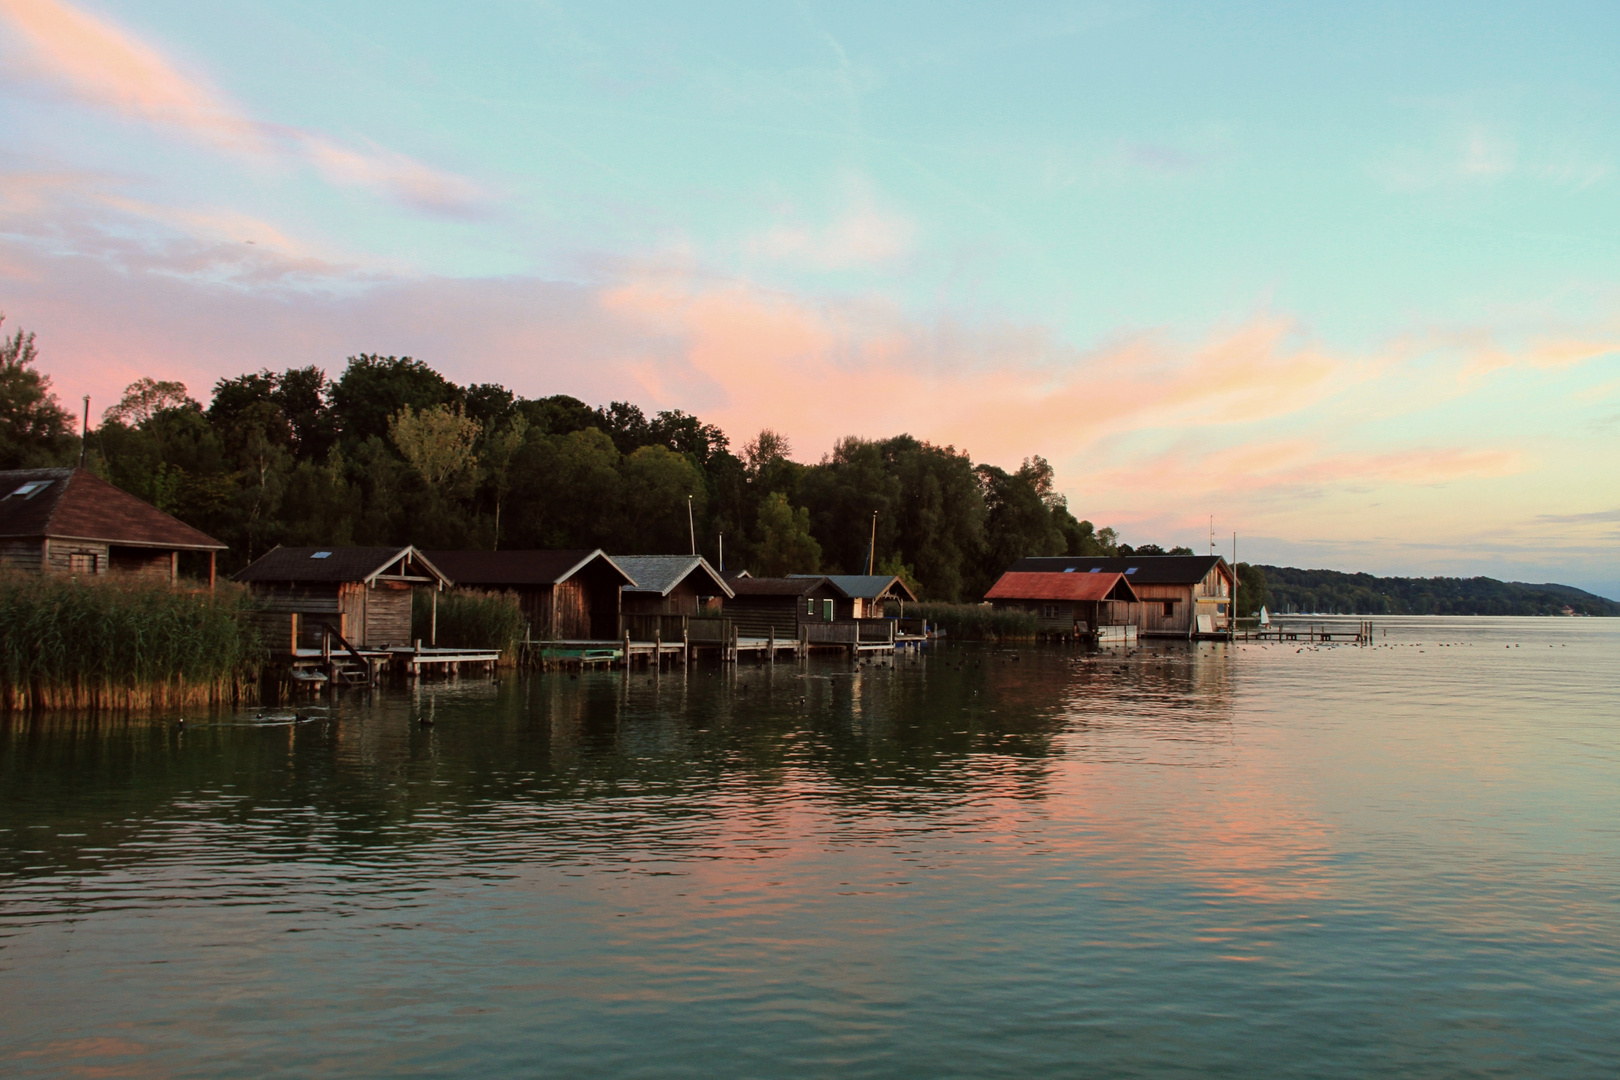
(1069, 604)
(567, 595)
(866, 596)
(361, 593)
(671, 585)
(72, 522)
(775, 607)
(1182, 596)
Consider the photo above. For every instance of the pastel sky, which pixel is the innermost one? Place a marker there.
(1343, 277)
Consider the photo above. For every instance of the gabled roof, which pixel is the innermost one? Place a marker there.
(657, 574)
(75, 504)
(342, 564)
(1138, 569)
(869, 586)
(1017, 585)
(776, 586)
(515, 569)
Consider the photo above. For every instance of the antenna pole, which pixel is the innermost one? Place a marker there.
(84, 432)
(871, 552)
(722, 553)
(691, 528)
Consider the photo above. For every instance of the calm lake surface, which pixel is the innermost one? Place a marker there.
(1247, 860)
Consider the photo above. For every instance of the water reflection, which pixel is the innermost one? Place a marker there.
(1030, 861)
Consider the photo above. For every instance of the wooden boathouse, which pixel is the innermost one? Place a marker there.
(671, 585)
(1181, 596)
(363, 594)
(72, 522)
(1071, 605)
(867, 596)
(567, 595)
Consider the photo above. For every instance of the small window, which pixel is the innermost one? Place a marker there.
(1069, 569)
(1049, 611)
(321, 555)
(30, 489)
(1130, 569)
(810, 608)
(1169, 608)
(82, 562)
(1095, 570)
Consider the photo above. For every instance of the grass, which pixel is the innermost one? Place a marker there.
(470, 619)
(976, 622)
(110, 645)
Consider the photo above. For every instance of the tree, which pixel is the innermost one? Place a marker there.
(34, 428)
(786, 546)
(657, 483)
(374, 388)
(1252, 592)
(145, 398)
(438, 442)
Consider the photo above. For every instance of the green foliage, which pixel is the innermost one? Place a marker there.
(1331, 592)
(786, 546)
(470, 619)
(977, 622)
(1253, 590)
(35, 430)
(75, 643)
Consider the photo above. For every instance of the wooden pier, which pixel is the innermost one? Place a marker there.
(1362, 634)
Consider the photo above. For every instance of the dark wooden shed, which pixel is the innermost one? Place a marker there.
(364, 593)
(71, 521)
(867, 596)
(1184, 596)
(671, 585)
(765, 607)
(567, 595)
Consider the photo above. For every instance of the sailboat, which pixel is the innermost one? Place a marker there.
(1265, 616)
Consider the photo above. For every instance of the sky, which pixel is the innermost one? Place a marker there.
(1344, 279)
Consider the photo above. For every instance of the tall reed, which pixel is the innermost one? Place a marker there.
(99, 644)
(470, 619)
(976, 622)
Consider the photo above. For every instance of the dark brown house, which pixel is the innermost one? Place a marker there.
(671, 585)
(71, 521)
(567, 595)
(1182, 596)
(1068, 604)
(363, 593)
(763, 607)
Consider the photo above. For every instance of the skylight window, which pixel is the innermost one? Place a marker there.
(321, 555)
(1095, 570)
(1069, 569)
(30, 489)
(1130, 569)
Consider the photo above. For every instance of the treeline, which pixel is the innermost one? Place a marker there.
(391, 452)
(1286, 589)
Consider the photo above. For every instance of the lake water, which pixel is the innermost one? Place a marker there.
(1281, 860)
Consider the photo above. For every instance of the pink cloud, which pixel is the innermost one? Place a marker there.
(106, 67)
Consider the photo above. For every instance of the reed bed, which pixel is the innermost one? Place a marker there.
(123, 646)
(471, 619)
(976, 622)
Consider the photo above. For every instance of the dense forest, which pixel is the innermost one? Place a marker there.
(1331, 592)
(391, 451)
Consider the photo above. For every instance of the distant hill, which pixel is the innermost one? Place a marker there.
(1329, 591)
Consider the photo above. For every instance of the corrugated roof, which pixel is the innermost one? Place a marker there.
(79, 505)
(870, 586)
(338, 564)
(658, 574)
(775, 586)
(1140, 569)
(1016, 585)
(506, 569)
